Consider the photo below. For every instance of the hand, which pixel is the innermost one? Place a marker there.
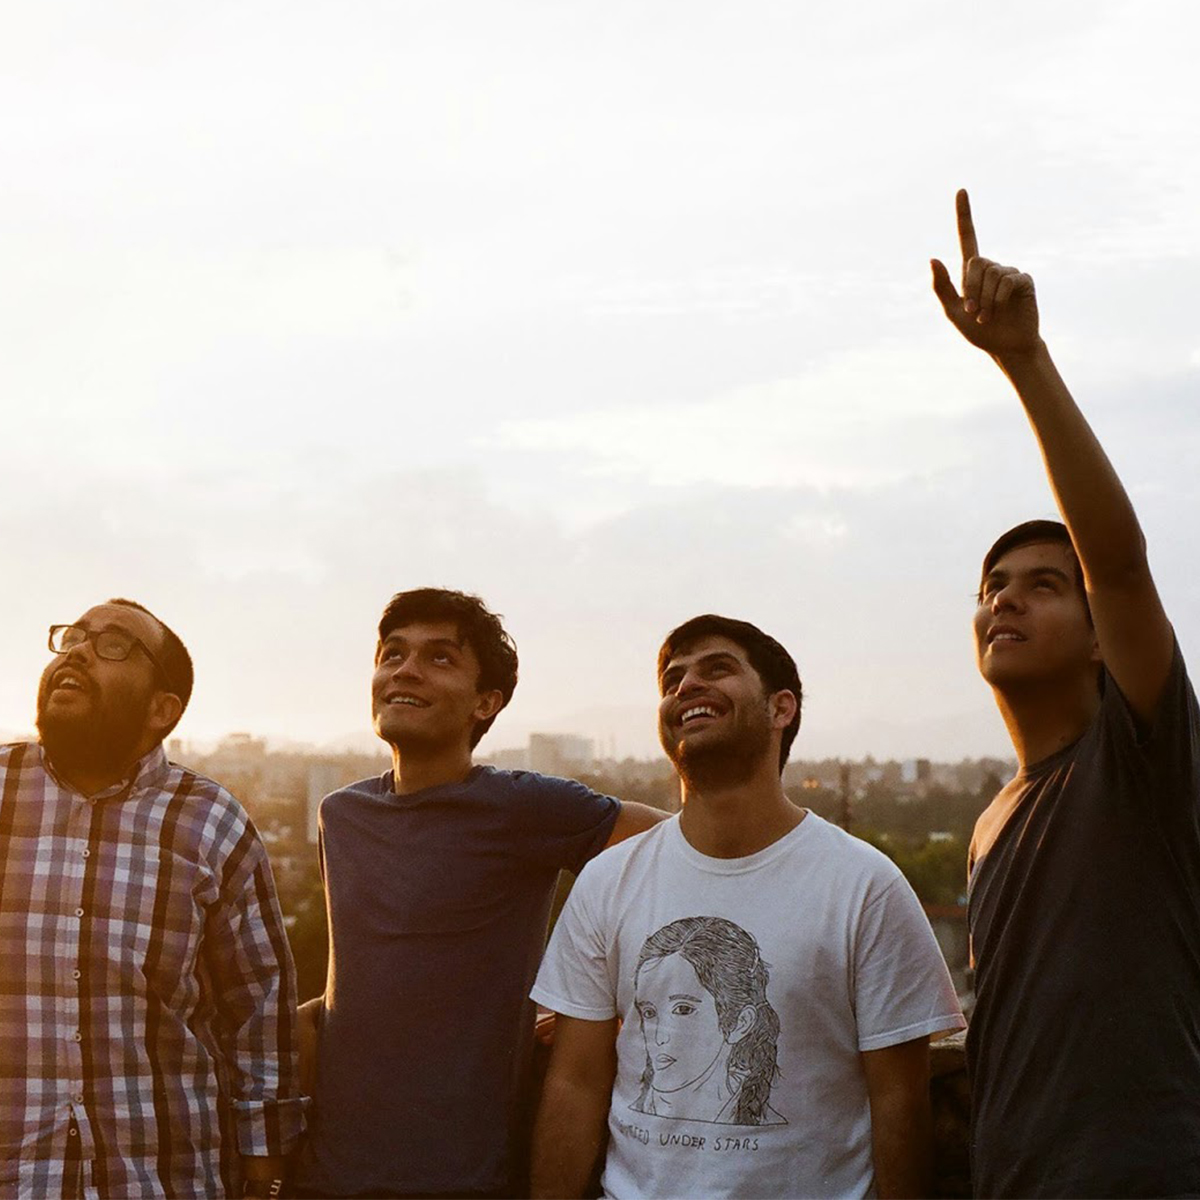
(543, 1029)
(997, 310)
(308, 1018)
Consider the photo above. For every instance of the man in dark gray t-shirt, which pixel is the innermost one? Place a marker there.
(1084, 905)
(438, 877)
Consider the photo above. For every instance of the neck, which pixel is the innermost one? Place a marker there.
(415, 768)
(88, 780)
(1044, 719)
(733, 820)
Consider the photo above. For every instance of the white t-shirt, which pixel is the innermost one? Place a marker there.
(747, 988)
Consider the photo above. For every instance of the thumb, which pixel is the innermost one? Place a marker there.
(944, 288)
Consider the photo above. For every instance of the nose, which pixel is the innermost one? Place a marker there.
(405, 666)
(1006, 598)
(661, 1035)
(82, 652)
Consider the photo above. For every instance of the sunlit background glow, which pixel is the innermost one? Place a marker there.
(611, 312)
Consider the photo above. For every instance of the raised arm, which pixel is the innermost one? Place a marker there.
(997, 312)
(569, 1134)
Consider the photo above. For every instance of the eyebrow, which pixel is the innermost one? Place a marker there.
(685, 996)
(1029, 572)
(435, 643)
(713, 656)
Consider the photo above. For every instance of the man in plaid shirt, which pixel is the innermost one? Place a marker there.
(147, 995)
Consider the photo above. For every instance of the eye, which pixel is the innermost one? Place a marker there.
(648, 1012)
(111, 644)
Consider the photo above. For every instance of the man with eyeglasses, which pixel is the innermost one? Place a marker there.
(147, 1013)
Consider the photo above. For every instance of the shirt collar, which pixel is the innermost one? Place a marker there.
(149, 771)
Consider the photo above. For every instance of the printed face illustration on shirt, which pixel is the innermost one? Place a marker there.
(679, 1022)
(709, 1031)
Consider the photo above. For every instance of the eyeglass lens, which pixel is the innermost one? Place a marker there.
(109, 643)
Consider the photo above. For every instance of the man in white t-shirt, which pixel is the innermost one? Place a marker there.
(745, 992)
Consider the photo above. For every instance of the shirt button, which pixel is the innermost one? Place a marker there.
(73, 1132)
(77, 1036)
(78, 1097)
(79, 912)
(77, 974)
(86, 852)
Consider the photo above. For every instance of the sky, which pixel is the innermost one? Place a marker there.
(612, 313)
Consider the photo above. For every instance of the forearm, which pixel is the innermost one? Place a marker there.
(902, 1147)
(568, 1138)
(901, 1120)
(1089, 494)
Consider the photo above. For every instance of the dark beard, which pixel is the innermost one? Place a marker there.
(99, 744)
(718, 765)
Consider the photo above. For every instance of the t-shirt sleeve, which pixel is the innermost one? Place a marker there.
(902, 987)
(1169, 747)
(561, 823)
(575, 977)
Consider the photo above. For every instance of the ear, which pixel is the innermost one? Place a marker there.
(783, 709)
(745, 1020)
(165, 710)
(488, 705)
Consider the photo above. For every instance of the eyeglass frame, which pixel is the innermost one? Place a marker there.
(90, 635)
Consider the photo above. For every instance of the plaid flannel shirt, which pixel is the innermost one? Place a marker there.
(147, 996)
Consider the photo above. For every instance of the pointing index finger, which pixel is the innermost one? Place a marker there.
(966, 227)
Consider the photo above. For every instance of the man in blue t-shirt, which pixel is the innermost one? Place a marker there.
(439, 877)
(1084, 1047)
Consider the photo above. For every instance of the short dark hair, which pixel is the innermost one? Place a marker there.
(1029, 533)
(175, 662)
(775, 667)
(477, 626)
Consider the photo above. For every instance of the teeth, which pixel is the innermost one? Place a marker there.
(412, 700)
(703, 711)
(1008, 637)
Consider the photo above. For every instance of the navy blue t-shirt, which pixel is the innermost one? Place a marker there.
(438, 904)
(1084, 1047)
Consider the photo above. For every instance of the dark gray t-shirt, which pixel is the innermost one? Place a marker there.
(438, 904)
(1084, 1047)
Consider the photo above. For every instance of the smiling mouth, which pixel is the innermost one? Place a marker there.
(68, 683)
(1005, 636)
(696, 712)
(405, 702)
(662, 1061)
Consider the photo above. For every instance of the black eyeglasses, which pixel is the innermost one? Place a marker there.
(111, 643)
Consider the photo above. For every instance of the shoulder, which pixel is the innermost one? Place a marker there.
(16, 754)
(1176, 711)
(846, 853)
(531, 784)
(361, 790)
(546, 798)
(202, 810)
(630, 857)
